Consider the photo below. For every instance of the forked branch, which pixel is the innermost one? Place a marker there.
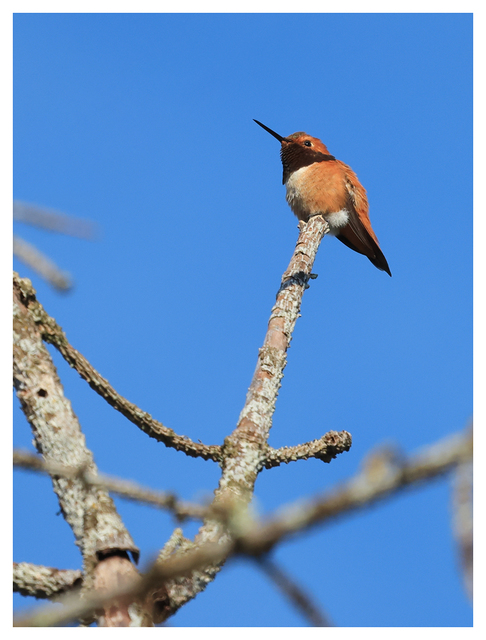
(52, 333)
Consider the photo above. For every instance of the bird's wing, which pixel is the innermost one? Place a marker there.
(358, 233)
(359, 218)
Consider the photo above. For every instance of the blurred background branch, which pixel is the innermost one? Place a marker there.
(42, 265)
(383, 475)
(56, 222)
(462, 506)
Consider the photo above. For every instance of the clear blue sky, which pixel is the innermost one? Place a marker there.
(143, 123)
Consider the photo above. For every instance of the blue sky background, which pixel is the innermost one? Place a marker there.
(143, 124)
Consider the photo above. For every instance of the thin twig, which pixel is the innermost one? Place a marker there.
(124, 488)
(41, 264)
(52, 220)
(294, 592)
(325, 449)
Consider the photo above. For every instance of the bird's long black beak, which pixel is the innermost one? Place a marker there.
(275, 135)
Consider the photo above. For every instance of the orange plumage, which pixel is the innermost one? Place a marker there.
(319, 184)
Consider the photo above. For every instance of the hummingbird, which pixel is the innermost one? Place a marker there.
(318, 184)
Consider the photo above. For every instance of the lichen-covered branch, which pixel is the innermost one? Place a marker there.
(59, 438)
(245, 450)
(44, 582)
(247, 445)
(124, 488)
(91, 513)
(325, 449)
(75, 607)
(52, 333)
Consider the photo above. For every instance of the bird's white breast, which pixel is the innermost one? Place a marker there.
(296, 193)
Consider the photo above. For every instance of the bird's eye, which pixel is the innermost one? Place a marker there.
(308, 143)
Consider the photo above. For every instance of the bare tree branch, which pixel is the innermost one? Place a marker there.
(385, 473)
(124, 488)
(53, 334)
(91, 513)
(59, 438)
(159, 573)
(295, 593)
(44, 582)
(184, 568)
(325, 449)
(463, 521)
(41, 264)
(383, 477)
(245, 450)
(115, 572)
(53, 220)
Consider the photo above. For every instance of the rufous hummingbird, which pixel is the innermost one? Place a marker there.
(317, 183)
